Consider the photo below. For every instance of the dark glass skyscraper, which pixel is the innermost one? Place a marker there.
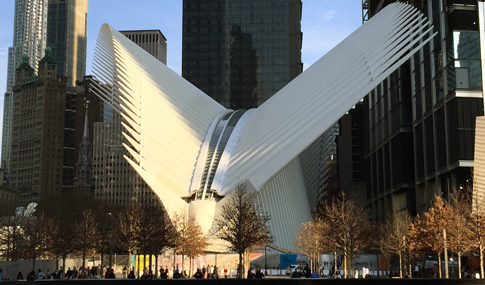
(241, 52)
(420, 122)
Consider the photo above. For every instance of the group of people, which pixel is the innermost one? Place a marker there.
(258, 274)
(211, 273)
(96, 272)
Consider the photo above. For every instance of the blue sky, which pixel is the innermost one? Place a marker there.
(324, 24)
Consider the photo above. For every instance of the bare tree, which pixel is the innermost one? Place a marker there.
(189, 241)
(126, 230)
(431, 225)
(349, 227)
(461, 239)
(12, 237)
(86, 234)
(35, 231)
(242, 224)
(308, 243)
(477, 225)
(396, 231)
(156, 231)
(62, 213)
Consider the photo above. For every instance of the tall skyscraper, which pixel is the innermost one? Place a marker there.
(67, 26)
(420, 122)
(241, 52)
(30, 35)
(153, 41)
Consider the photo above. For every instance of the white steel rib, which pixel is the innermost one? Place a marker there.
(192, 151)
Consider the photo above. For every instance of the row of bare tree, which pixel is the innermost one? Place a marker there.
(69, 224)
(341, 227)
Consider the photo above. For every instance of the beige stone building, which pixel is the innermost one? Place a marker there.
(38, 129)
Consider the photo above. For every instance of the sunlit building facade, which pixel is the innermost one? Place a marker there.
(29, 37)
(67, 27)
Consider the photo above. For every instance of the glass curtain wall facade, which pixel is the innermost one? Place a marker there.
(421, 120)
(67, 26)
(241, 52)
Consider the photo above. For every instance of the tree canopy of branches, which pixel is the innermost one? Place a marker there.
(396, 235)
(477, 225)
(242, 224)
(189, 239)
(347, 226)
(308, 243)
(156, 231)
(430, 227)
(86, 234)
(461, 238)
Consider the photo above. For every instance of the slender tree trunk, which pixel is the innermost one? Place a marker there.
(138, 265)
(480, 248)
(64, 256)
(174, 260)
(459, 265)
(156, 266)
(191, 261)
(334, 262)
(240, 266)
(33, 263)
(345, 263)
(84, 258)
(439, 265)
(144, 261)
(129, 260)
(150, 263)
(400, 265)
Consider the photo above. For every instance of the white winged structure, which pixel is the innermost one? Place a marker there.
(192, 151)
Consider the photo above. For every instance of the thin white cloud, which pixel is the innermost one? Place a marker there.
(328, 15)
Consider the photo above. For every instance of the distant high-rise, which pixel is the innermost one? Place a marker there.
(67, 26)
(241, 52)
(153, 41)
(30, 35)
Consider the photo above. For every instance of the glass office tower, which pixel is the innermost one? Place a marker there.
(241, 52)
(420, 122)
